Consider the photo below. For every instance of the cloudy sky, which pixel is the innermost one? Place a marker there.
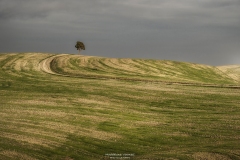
(199, 31)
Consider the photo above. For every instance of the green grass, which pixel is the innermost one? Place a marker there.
(46, 116)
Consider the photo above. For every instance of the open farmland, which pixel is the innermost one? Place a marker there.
(80, 107)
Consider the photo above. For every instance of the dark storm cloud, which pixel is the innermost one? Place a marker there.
(196, 31)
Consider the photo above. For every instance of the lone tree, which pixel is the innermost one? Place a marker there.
(80, 46)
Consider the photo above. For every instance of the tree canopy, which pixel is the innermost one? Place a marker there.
(80, 46)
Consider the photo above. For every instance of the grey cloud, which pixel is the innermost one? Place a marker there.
(196, 31)
(219, 3)
(28, 8)
(11, 9)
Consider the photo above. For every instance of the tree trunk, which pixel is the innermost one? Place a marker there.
(79, 50)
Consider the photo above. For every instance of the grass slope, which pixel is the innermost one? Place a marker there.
(138, 69)
(48, 116)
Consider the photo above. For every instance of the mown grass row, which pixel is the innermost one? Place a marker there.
(46, 116)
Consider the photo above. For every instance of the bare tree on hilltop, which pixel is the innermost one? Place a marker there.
(80, 46)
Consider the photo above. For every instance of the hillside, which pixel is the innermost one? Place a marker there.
(138, 69)
(125, 69)
(62, 106)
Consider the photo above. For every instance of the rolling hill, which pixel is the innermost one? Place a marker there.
(62, 106)
(139, 69)
(123, 69)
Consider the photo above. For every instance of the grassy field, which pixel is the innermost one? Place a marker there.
(79, 107)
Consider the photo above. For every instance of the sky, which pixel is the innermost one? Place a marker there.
(197, 31)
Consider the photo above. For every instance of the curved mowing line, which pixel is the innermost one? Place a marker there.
(47, 66)
(103, 65)
(114, 70)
